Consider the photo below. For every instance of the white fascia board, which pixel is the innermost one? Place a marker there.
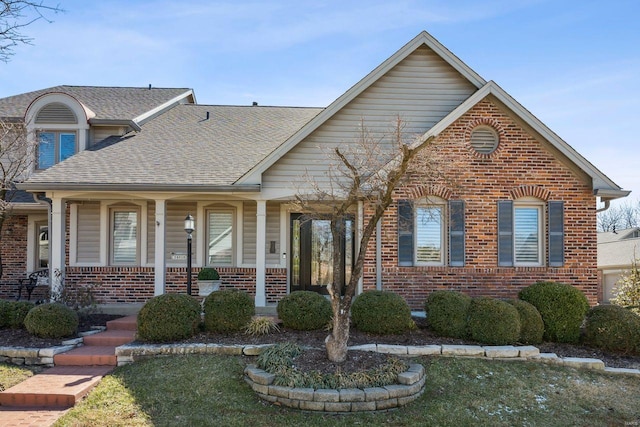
(424, 38)
(601, 182)
(170, 103)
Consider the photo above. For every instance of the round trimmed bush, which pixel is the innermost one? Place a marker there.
(612, 327)
(228, 311)
(531, 324)
(492, 321)
(52, 320)
(169, 317)
(381, 312)
(5, 313)
(447, 313)
(19, 311)
(304, 311)
(562, 308)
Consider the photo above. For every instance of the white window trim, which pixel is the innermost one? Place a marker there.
(202, 236)
(56, 150)
(105, 231)
(82, 113)
(32, 237)
(426, 203)
(531, 202)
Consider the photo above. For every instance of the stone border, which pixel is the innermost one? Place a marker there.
(42, 356)
(388, 397)
(129, 353)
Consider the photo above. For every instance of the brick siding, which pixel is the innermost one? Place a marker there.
(519, 167)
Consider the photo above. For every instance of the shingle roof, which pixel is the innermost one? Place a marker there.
(111, 103)
(618, 250)
(182, 147)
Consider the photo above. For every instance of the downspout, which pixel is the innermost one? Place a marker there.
(607, 204)
(41, 199)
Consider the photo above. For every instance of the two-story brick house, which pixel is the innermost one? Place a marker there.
(524, 210)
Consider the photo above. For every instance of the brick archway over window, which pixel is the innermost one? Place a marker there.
(430, 190)
(530, 191)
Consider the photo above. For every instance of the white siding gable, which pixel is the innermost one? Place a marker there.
(421, 89)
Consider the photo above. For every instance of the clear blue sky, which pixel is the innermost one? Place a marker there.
(575, 64)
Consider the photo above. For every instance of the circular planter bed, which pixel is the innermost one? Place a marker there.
(410, 386)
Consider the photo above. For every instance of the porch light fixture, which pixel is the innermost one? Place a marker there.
(189, 226)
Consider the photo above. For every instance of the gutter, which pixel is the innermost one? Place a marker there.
(121, 122)
(607, 196)
(183, 188)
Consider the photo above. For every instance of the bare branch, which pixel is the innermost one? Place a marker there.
(15, 15)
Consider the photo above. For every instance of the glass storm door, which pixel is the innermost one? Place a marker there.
(311, 258)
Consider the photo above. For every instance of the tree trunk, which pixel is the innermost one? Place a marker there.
(336, 343)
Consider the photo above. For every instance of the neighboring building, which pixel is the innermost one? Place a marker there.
(525, 209)
(617, 251)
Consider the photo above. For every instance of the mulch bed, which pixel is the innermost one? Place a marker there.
(315, 339)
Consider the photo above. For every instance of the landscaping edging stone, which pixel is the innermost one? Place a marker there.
(388, 397)
(129, 353)
(41, 356)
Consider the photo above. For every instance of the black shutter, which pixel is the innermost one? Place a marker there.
(456, 233)
(505, 233)
(405, 233)
(556, 234)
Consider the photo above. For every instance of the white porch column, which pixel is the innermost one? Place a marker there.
(160, 262)
(261, 254)
(57, 241)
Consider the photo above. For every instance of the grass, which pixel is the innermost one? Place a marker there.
(210, 391)
(11, 375)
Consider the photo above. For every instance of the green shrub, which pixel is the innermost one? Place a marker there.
(447, 313)
(208, 274)
(492, 321)
(51, 320)
(562, 308)
(304, 311)
(612, 327)
(169, 317)
(531, 324)
(5, 313)
(19, 311)
(381, 312)
(228, 311)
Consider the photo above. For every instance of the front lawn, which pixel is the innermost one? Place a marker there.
(199, 390)
(11, 375)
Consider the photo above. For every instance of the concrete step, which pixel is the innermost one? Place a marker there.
(127, 323)
(61, 386)
(110, 337)
(88, 355)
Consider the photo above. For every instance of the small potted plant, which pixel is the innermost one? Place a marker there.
(208, 281)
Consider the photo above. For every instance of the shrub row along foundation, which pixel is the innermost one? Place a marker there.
(410, 387)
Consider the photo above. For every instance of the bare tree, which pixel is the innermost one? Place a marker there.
(619, 217)
(368, 171)
(15, 15)
(17, 154)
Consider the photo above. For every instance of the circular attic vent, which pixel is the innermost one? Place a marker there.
(484, 139)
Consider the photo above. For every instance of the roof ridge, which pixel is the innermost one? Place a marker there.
(254, 106)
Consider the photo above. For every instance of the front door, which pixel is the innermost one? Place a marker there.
(311, 267)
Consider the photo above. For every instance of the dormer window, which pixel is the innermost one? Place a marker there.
(55, 146)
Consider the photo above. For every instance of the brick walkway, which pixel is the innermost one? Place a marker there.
(43, 398)
(28, 416)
